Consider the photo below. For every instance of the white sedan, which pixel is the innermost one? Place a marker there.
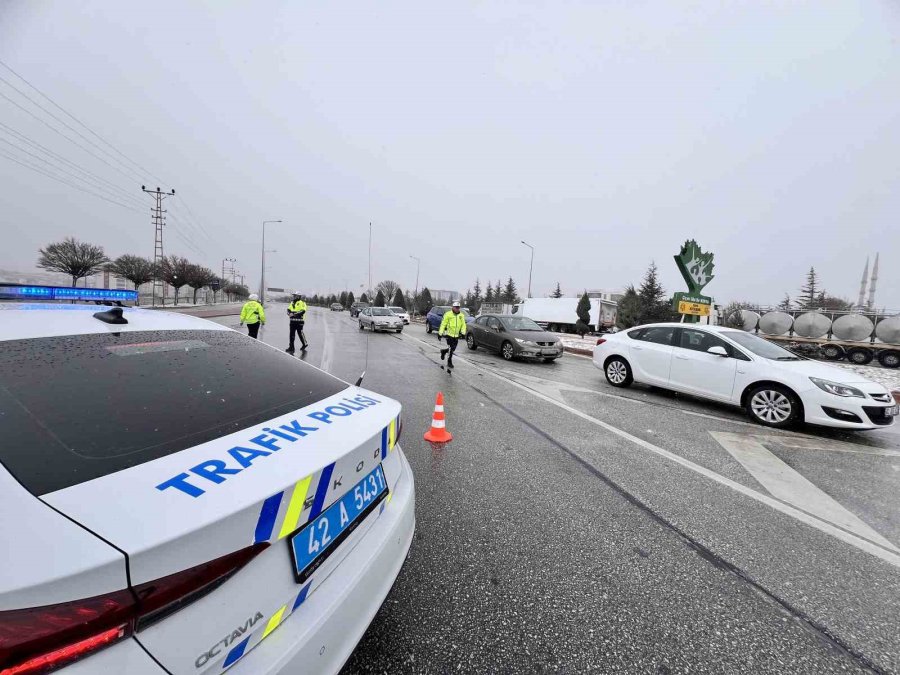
(402, 313)
(775, 387)
(180, 498)
(379, 318)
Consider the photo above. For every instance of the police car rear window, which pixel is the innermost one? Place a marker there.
(79, 407)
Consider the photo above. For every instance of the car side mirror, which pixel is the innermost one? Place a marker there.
(718, 350)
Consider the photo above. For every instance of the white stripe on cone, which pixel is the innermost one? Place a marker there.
(438, 408)
(437, 424)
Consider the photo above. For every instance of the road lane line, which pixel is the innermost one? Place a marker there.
(862, 544)
(790, 486)
(326, 347)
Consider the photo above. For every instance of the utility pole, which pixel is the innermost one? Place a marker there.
(159, 219)
(416, 292)
(370, 263)
(262, 276)
(230, 268)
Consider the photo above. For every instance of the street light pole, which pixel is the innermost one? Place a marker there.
(416, 292)
(531, 267)
(262, 276)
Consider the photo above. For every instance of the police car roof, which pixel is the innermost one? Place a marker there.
(21, 321)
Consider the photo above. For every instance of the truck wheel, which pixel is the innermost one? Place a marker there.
(833, 352)
(428, 328)
(889, 358)
(470, 342)
(860, 355)
(553, 328)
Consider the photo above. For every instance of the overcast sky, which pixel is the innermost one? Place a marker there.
(603, 133)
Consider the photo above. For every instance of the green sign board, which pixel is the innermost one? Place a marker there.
(697, 269)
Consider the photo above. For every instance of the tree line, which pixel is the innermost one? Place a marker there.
(79, 259)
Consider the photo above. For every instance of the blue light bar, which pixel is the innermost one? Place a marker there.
(10, 292)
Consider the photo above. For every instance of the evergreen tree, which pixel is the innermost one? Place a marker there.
(558, 292)
(399, 300)
(425, 301)
(498, 292)
(343, 299)
(583, 311)
(654, 304)
(810, 291)
(379, 299)
(785, 304)
(510, 293)
(350, 299)
(489, 294)
(476, 297)
(629, 311)
(364, 298)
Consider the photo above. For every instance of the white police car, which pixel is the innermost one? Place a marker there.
(180, 498)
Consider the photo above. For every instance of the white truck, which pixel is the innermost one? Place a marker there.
(559, 315)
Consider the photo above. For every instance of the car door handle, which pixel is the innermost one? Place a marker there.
(638, 349)
(683, 358)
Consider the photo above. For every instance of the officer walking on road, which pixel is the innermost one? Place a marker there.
(453, 326)
(253, 314)
(297, 313)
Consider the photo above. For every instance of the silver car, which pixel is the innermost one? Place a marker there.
(380, 318)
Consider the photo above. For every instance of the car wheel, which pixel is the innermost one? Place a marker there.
(428, 328)
(860, 355)
(773, 406)
(470, 342)
(889, 358)
(618, 372)
(833, 352)
(507, 351)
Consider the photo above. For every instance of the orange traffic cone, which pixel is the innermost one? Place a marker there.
(438, 432)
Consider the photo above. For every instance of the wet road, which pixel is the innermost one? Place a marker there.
(571, 527)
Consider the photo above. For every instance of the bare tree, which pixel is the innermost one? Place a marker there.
(175, 272)
(387, 287)
(76, 258)
(198, 277)
(136, 269)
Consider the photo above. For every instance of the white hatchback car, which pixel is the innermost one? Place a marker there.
(379, 318)
(402, 313)
(775, 387)
(180, 498)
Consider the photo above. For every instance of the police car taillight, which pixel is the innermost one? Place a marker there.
(41, 639)
(600, 341)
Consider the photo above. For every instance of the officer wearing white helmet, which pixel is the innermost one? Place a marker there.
(253, 314)
(453, 326)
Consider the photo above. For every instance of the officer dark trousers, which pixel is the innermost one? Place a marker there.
(297, 329)
(253, 329)
(452, 342)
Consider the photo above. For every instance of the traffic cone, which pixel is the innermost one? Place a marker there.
(438, 432)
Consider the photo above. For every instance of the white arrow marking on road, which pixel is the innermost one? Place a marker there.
(790, 486)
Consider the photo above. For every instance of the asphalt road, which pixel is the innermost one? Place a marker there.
(573, 527)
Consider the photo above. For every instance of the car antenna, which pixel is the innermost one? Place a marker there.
(112, 315)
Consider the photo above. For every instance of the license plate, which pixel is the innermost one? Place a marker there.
(312, 545)
(892, 411)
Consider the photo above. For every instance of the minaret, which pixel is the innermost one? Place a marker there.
(862, 286)
(872, 283)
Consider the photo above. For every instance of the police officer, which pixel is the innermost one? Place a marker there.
(297, 313)
(453, 326)
(253, 314)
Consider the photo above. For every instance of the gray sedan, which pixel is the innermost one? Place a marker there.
(513, 336)
(380, 318)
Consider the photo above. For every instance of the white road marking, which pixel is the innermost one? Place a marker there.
(326, 348)
(876, 550)
(790, 486)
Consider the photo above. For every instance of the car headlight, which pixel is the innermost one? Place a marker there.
(836, 388)
(527, 343)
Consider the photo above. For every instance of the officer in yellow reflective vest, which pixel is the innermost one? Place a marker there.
(453, 326)
(253, 314)
(297, 313)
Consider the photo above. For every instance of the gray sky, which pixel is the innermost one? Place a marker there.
(603, 133)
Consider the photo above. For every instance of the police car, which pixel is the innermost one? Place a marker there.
(180, 498)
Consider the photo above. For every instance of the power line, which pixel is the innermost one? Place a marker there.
(67, 172)
(65, 182)
(94, 133)
(66, 125)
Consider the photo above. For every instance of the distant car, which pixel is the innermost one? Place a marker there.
(436, 315)
(337, 307)
(379, 318)
(513, 337)
(402, 313)
(774, 386)
(155, 531)
(357, 307)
